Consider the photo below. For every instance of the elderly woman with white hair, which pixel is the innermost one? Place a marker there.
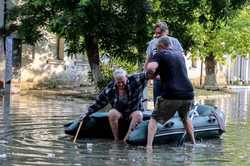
(124, 94)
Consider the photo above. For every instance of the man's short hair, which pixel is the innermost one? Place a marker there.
(119, 73)
(164, 40)
(162, 25)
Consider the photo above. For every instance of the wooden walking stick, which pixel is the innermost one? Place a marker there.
(78, 130)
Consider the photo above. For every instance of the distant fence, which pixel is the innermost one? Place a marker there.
(238, 70)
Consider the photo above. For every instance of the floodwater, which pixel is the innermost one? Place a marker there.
(31, 133)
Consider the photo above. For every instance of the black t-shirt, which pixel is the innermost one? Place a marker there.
(175, 83)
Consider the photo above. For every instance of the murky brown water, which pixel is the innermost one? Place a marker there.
(31, 133)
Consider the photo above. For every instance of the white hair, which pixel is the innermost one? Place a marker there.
(119, 73)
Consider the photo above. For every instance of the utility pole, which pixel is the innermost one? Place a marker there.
(2, 53)
(8, 51)
(4, 23)
(8, 47)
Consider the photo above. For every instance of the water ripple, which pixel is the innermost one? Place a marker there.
(31, 133)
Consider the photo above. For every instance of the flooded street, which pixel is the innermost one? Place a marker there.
(31, 133)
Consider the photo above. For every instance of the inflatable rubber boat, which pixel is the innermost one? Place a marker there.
(208, 122)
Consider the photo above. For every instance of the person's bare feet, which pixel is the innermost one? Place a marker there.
(117, 140)
(149, 148)
(125, 139)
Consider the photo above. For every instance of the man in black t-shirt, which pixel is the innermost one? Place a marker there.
(176, 89)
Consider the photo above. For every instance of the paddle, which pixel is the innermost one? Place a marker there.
(78, 130)
(193, 113)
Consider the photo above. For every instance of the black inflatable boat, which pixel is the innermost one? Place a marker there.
(208, 122)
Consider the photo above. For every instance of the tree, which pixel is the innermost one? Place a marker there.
(198, 25)
(209, 33)
(234, 37)
(91, 26)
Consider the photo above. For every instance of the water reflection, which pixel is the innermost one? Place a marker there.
(31, 133)
(236, 142)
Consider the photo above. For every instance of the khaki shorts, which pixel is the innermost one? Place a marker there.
(165, 109)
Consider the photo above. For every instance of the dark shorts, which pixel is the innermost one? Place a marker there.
(126, 115)
(165, 109)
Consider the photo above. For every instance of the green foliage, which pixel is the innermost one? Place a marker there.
(119, 26)
(107, 69)
(177, 14)
(198, 24)
(123, 27)
(225, 37)
(235, 36)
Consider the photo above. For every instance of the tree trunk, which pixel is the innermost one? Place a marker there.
(140, 45)
(210, 78)
(93, 57)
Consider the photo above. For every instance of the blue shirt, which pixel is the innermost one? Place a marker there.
(152, 46)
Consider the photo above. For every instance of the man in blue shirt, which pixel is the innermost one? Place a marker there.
(161, 29)
(176, 88)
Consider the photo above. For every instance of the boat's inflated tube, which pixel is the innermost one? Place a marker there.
(208, 122)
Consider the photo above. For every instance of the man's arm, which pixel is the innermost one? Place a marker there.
(151, 69)
(151, 50)
(100, 102)
(178, 46)
(145, 64)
